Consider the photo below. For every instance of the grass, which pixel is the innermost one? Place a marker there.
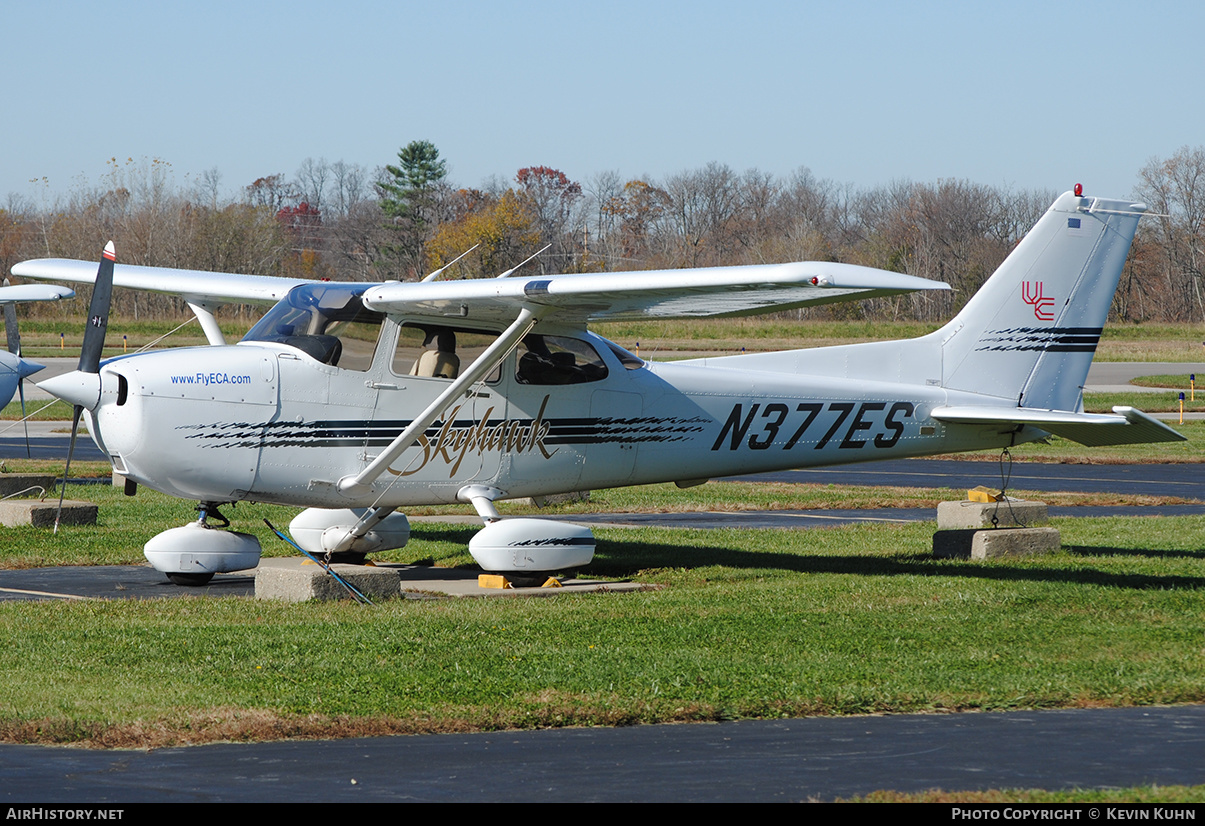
(1176, 381)
(1132, 795)
(51, 410)
(1166, 402)
(670, 339)
(744, 624)
(1066, 451)
(61, 336)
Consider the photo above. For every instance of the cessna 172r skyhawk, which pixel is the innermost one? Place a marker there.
(354, 400)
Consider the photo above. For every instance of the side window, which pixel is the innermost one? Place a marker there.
(436, 351)
(358, 340)
(558, 360)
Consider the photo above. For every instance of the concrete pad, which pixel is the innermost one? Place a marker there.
(296, 579)
(41, 513)
(304, 581)
(1014, 542)
(13, 484)
(1011, 513)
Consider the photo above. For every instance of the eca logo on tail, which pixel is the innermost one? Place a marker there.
(1043, 305)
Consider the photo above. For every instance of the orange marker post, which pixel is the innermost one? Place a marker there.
(1181, 408)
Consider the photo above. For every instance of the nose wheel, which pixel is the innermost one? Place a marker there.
(192, 554)
(190, 580)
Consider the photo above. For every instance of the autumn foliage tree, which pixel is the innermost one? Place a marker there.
(349, 223)
(504, 228)
(550, 198)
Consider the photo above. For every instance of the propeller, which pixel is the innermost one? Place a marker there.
(14, 347)
(85, 381)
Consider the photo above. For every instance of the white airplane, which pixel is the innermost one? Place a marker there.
(354, 400)
(14, 369)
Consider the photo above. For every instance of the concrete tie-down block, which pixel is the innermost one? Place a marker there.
(299, 582)
(966, 529)
(1014, 542)
(1010, 513)
(41, 514)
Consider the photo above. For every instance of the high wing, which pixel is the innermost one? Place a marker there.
(21, 293)
(715, 291)
(696, 293)
(197, 285)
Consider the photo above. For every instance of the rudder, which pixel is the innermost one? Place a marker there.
(1030, 332)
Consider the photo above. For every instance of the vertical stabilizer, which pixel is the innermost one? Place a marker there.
(1030, 333)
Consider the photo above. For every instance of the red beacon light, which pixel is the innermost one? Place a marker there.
(1079, 190)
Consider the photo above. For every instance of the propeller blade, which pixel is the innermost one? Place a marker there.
(90, 352)
(98, 313)
(10, 327)
(25, 421)
(77, 410)
(14, 347)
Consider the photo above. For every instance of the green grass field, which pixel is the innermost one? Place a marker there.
(740, 624)
(62, 335)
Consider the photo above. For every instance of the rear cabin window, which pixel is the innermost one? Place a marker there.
(558, 360)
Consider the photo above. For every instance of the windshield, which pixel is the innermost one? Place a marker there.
(327, 322)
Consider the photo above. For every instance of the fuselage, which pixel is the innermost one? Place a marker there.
(267, 421)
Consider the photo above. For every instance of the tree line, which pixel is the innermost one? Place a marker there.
(404, 220)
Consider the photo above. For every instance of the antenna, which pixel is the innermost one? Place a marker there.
(437, 273)
(512, 269)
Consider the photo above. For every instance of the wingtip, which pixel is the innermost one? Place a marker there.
(110, 252)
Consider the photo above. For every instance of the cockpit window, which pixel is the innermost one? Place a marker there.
(558, 360)
(327, 322)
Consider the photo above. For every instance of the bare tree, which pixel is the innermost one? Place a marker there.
(1174, 189)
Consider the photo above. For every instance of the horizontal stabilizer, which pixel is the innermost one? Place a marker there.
(1126, 426)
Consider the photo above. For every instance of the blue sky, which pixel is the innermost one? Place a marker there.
(1019, 94)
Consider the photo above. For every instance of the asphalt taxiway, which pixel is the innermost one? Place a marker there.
(818, 758)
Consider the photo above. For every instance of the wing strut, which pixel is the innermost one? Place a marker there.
(360, 484)
(203, 310)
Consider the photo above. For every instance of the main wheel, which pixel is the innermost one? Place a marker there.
(526, 580)
(191, 580)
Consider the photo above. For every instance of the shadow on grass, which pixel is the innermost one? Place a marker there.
(623, 559)
(1088, 550)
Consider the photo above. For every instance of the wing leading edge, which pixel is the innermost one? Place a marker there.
(697, 293)
(197, 285)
